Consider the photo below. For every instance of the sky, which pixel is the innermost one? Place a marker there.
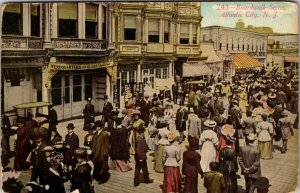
(281, 16)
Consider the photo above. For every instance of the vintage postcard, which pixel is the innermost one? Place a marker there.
(172, 97)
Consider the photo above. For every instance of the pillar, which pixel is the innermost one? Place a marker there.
(45, 91)
(55, 20)
(26, 20)
(171, 64)
(81, 20)
(139, 78)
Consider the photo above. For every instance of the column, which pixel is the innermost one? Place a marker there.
(172, 32)
(171, 64)
(161, 30)
(139, 73)
(45, 91)
(139, 28)
(109, 25)
(55, 20)
(81, 20)
(146, 30)
(26, 21)
(113, 29)
(108, 87)
(190, 33)
(100, 21)
(47, 28)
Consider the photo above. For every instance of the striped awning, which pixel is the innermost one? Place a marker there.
(195, 69)
(242, 60)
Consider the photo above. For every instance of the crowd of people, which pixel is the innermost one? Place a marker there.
(211, 117)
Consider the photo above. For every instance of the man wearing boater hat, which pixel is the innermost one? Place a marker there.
(249, 160)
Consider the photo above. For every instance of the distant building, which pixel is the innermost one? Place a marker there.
(227, 41)
(283, 52)
(258, 29)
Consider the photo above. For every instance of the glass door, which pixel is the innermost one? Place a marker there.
(77, 93)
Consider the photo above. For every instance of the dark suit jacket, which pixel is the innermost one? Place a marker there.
(141, 148)
(52, 117)
(250, 158)
(107, 109)
(73, 141)
(191, 163)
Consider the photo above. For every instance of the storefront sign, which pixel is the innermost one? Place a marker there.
(63, 66)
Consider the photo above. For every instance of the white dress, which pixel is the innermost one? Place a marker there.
(208, 140)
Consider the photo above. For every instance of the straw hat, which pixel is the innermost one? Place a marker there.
(210, 123)
(171, 136)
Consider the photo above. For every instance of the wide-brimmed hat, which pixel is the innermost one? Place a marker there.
(153, 109)
(231, 138)
(136, 112)
(210, 123)
(272, 95)
(129, 95)
(171, 136)
(70, 126)
(227, 130)
(251, 137)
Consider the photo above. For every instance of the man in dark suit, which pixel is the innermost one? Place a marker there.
(88, 115)
(141, 149)
(72, 142)
(38, 162)
(107, 109)
(249, 160)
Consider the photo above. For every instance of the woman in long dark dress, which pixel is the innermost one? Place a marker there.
(23, 145)
(191, 167)
(82, 176)
(119, 152)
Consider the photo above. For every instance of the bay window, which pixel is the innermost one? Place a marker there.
(35, 19)
(67, 19)
(12, 19)
(129, 27)
(184, 33)
(91, 20)
(153, 33)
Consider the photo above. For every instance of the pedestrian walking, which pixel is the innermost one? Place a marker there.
(88, 115)
(265, 132)
(100, 150)
(195, 126)
(171, 158)
(137, 122)
(286, 128)
(141, 157)
(81, 179)
(52, 119)
(163, 141)
(213, 180)
(208, 143)
(152, 128)
(107, 113)
(249, 160)
(248, 125)
(181, 118)
(71, 142)
(191, 168)
(228, 165)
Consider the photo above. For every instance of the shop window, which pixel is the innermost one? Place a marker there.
(103, 22)
(129, 28)
(153, 33)
(157, 73)
(56, 90)
(12, 19)
(132, 76)
(91, 21)
(165, 73)
(243, 47)
(184, 33)
(195, 33)
(167, 31)
(67, 89)
(35, 19)
(67, 19)
(123, 78)
(77, 95)
(88, 86)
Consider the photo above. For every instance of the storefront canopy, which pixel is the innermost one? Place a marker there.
(195, 69)
(242, 60)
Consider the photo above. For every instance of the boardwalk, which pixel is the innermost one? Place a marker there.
(282, 170)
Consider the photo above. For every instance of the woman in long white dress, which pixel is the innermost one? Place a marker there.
(208, 141)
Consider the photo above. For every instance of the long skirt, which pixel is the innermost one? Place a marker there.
(171, 180)
(208, 154)
(151, 143)
(120, 165)
(191, 184)
(265, 149)
(158, 164)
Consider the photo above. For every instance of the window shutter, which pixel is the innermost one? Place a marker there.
(130, 22)
(153, 25)
(91, 12)
(195, 29)
(184, 30)
(167, 26)
(68, 11)
(34, 8)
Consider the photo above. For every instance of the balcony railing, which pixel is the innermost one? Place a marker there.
(257, 54)
(22, 43)
(187, 49)
(79, 44)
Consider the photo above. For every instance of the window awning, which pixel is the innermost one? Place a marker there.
(291, 59)
(195, 69)
(242, 60)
